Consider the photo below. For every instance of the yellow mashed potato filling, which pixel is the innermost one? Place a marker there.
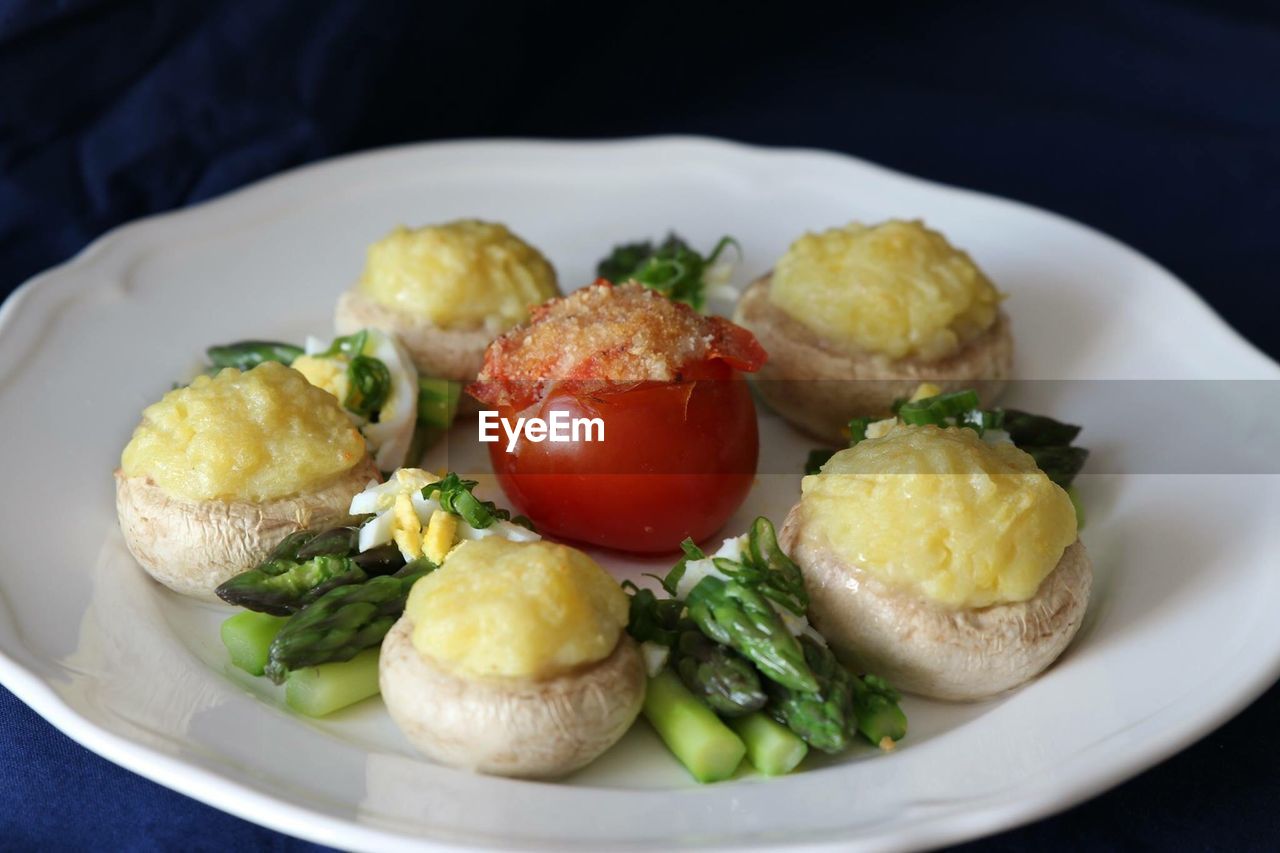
(941, 514)
(461, 275)
(898, 289)
(525, 610)
(255, 436)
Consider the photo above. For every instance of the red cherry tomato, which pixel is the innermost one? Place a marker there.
(677, 459)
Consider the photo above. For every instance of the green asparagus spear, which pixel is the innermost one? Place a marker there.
(245, 355)
(437, 401)
(772, 748)
(737, 616)
(380, 559)
(281, 593)
(343, 622)
(717, 675)
(248, 637)
(880, 719)
(290, 545)
(437, 406)
(695, 735)
(1030, 430)
(1061, 463)
(342, 541)
(817, 457)
(823, 717)
(320, 690)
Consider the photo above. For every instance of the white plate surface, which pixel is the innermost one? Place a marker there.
(1181, 633)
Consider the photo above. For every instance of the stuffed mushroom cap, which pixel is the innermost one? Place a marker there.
(854, 317)
(446, 291)
(218, 472)
(950, 567)
(513, 659)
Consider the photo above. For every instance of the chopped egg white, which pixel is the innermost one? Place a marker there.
(996, 436)
(879, 429)
(655, 657)
(403, 516)
(696, 570)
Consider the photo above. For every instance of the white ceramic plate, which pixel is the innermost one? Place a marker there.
(1181, 633)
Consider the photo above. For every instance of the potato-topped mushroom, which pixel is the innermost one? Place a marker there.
(446, 291)
(946, 564)
(218, 472)
(855, 317)
(513, 659)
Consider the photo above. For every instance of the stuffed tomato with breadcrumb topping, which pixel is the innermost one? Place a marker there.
(679, 447)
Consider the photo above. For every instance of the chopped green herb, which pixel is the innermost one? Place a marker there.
(245, 355)
(350, 345)
(455, 495)
(672, 268)
(369, 386)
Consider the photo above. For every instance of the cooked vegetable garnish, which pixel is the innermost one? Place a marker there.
(772, 570)
(718, 675)
(875, 704)
(437, 401)
(824, 716)
(1037, 430)
(1062, 464)
(694, 734)
(733, 613)
(737, 639)
(248, 637)
(772, 748)
(320, 690)
(343, 622)
(369, 386)
(455, 495)
(244, 355)
(349, 345)
(1048, 441)
(763, 566)
(939, 409)
(437, 407)
(816, 459)
(306, 565)
(653, 619)
(672, 267)
(282, 588)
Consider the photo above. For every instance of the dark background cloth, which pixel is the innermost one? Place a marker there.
(1158, 122)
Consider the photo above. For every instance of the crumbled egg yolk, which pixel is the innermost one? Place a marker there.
(924, 391)
(418, 525)
(440, 536)
(517, 610)
(898, 289)
(326, 373)
(940, 514)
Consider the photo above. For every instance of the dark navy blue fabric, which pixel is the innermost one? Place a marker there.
(1158, 122)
